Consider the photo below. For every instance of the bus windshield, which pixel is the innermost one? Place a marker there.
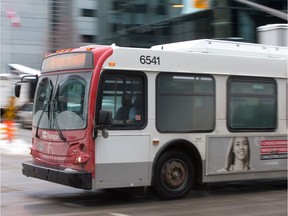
(61, 101)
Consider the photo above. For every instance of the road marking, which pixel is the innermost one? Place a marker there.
(87, 213)
(73, 205)
(117, 214)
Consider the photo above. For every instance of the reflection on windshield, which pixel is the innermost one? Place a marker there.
(42, 108)
(67, 108)
(69, 103)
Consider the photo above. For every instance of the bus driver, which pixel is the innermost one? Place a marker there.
(122, 113)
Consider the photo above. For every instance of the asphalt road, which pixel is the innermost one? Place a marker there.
(27, 196)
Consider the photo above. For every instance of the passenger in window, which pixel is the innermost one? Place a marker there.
(136, 112)
(238, 155)
(122, 114)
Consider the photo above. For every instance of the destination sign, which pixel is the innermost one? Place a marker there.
(67, 61)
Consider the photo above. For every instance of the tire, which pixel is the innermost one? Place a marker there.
(173, 175)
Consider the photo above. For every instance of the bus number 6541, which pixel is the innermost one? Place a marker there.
(150, 60)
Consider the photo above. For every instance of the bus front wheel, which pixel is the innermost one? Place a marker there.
(173, 175)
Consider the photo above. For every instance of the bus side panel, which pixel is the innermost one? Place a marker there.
(122, 161)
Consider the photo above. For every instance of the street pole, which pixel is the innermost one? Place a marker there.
(268, 10)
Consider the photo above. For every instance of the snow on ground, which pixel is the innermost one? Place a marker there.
(16, 146)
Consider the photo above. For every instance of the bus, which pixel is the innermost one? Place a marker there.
(170, 117)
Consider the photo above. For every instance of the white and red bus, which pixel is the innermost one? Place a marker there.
(169, 117)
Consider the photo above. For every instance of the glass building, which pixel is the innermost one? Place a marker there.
(143, 23)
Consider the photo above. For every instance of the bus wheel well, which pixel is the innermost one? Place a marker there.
(190, 150)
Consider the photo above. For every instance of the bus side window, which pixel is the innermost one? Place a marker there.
(185, 102)
(252, 104)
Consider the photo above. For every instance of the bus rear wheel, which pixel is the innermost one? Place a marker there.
(173, 175)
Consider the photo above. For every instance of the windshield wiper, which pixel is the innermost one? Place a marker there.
(39, 120)
(63, 138)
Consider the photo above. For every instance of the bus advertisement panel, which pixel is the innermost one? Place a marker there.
(246, 154)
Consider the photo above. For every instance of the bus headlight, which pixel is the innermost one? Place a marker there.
(81, 159)
(78, 159)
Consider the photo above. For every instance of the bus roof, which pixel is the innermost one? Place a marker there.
(225, 47)
(203, 56)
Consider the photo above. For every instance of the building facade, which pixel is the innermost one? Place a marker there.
(143, 23)
(25, 41)
(43, 27)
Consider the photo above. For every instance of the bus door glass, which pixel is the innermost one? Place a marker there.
(123, 95)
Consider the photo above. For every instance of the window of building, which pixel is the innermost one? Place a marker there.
(141, 8)
(124, 95)
(185, 103)
(252, 104)
(161, 10)
(88, 38)
(88, 13)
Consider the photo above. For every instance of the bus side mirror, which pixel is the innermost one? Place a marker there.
(17, 90)
(29, 85)
(104, 119)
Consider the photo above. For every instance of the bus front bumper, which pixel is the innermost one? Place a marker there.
(73, 178)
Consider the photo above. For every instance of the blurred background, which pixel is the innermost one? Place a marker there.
(30, 29)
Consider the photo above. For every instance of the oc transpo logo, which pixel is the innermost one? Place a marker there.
(47, 135)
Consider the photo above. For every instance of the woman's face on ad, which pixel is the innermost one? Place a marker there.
(240, 148)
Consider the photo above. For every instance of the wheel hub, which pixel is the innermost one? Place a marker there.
(174, 174)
